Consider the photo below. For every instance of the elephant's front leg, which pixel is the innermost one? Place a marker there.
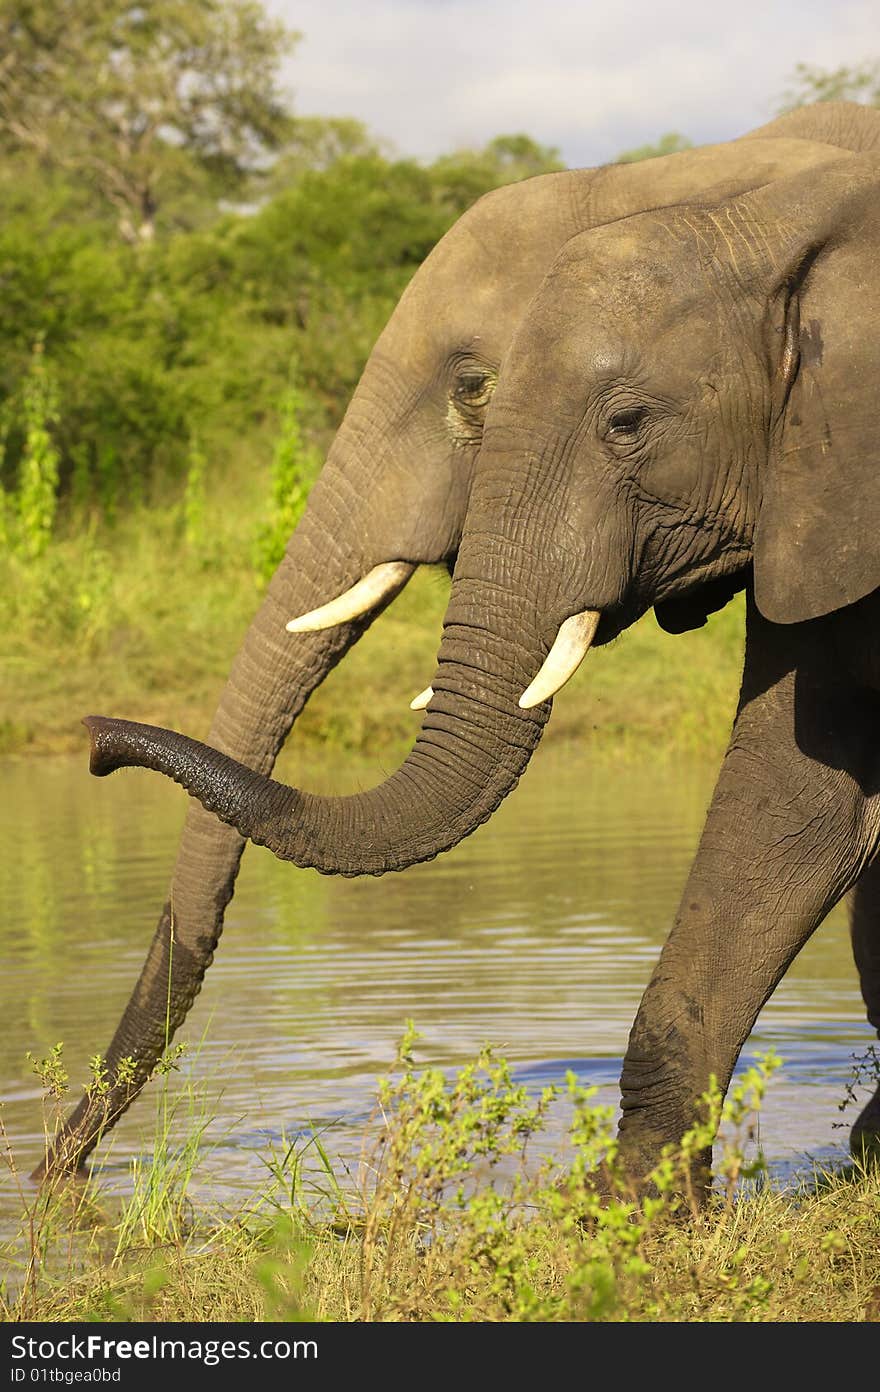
(788, 832)
(865, 928)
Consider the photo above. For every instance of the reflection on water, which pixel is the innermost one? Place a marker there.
(537, 935)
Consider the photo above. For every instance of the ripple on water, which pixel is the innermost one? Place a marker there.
(537, 935)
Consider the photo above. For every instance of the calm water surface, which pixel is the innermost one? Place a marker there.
(537, 935)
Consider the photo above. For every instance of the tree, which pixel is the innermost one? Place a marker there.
(319, 142)
(142, 98)
(810, 84)
(669, 144)
(463, 176)
(521, 157)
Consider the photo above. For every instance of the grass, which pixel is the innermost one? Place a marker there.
(450, 1217)
(143, 620)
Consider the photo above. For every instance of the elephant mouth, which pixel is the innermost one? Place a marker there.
(680, 603)
(689, 609)
(614, 621)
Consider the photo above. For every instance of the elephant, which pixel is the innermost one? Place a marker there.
(393, 495)
(683, 413)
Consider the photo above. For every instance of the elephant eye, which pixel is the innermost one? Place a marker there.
(474, 389)
(470, 392)
(624, 425)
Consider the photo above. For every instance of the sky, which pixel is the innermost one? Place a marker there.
(591, 78)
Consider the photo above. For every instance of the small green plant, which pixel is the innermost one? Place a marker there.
(434, 1139)
(304, 1182)
(37, 497)
(864, 1073)
(282, 1271)
(159, 1210)
(60, 1220)
(429, 1192)
(194, 494)
(51, 1072)
(294, 467)
(64, 1223)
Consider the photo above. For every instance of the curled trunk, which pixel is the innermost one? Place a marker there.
(474, 744)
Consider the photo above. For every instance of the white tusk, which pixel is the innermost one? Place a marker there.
(570, 647)
(380, 583)
(419, 702)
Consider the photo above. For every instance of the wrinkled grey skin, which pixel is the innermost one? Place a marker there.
(412, 432)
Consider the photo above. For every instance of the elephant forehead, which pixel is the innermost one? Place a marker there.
(598, 331)
(644, 261)
(464, 299)
(565, 355)
(495, 255)
(600, 308)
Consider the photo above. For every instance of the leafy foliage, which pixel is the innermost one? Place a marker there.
(670, 144)
(860, 83)
(194, 340)
(464, 175)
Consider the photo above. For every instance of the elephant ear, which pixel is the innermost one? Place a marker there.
(817, 538)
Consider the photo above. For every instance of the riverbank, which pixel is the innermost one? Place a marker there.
(144, 620)
(418, 1235)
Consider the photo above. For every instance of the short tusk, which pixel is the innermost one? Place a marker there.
(382, 582)
(419, 702)
(570, 647)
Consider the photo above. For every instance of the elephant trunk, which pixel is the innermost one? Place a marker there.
(271, 680)
(474, 744)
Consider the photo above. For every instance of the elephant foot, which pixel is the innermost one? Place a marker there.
(864, 1139)
(648, 1166)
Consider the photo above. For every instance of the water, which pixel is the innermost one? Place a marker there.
(537, 935)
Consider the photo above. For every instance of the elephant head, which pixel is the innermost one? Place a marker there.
(393, 494)
(691, 396)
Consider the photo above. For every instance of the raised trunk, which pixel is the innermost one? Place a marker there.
(271, 680)
(474, 744)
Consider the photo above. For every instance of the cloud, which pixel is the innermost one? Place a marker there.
(592, 79)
